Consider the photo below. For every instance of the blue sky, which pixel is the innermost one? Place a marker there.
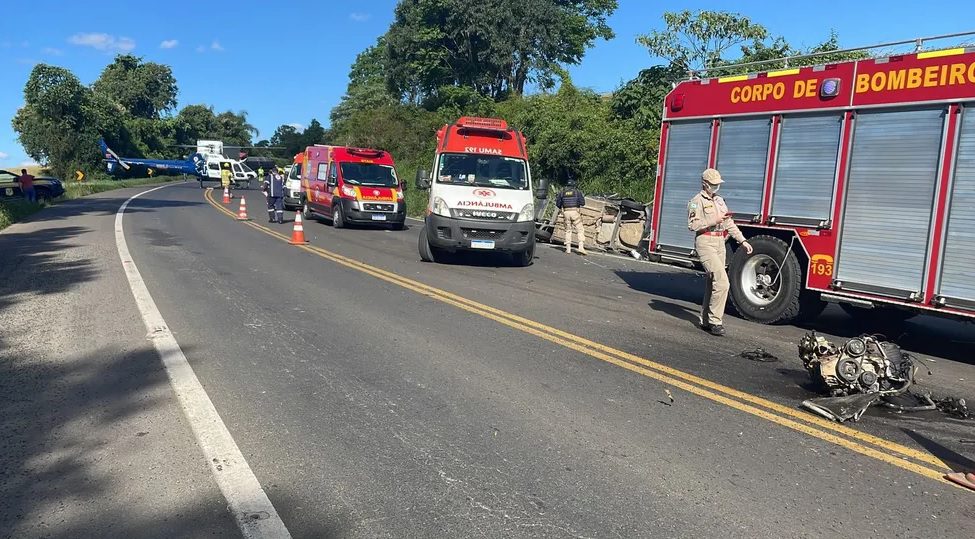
(287, 61)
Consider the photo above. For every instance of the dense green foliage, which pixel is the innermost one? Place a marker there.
(442, 59)
(130, 105)
(439, 60)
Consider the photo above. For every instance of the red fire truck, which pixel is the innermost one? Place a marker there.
(854, 182)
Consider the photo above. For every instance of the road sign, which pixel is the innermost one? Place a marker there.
(79, 176)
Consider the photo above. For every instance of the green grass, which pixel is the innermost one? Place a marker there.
(12, 211)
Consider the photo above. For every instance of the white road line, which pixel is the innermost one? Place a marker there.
(248, 502)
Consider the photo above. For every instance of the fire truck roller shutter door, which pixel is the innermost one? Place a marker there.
(959, 248)
(890, 194)
(687, 149)
(806, 166)
(742, 157)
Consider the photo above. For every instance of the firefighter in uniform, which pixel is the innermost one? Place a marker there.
(274, 191)
(709, 218)
(569, 200)
(225, 178)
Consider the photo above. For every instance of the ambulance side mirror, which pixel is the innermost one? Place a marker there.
(422, 179)
(541, 189)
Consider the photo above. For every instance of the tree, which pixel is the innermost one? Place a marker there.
(700, 40)
(143, 89)
(233, 129)
(495, 47)
(61, 119)
(195, 122)
(367, 84)
(313, 134)
(642, 98)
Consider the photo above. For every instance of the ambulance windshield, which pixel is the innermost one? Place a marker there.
(369, 174)
(483, 170)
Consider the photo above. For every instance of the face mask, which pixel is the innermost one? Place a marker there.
(712, 188)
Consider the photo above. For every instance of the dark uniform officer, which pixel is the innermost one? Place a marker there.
(274, 191)
(569, 200)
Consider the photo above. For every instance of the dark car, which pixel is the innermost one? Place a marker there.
(46, 187)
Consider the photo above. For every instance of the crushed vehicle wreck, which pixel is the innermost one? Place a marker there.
(857, 375)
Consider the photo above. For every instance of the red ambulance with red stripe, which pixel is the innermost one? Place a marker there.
(351, 186)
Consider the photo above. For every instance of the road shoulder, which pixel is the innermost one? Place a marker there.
(95, 443)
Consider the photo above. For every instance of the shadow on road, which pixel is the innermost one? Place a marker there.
(928, 335)
(37, 263)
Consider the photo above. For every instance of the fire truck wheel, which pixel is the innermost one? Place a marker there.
(338, 220)
(760, 291)
(423, 245)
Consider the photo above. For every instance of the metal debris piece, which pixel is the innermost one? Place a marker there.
(759, 354)
(954, 407)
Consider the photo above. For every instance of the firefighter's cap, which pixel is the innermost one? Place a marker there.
(711, 176)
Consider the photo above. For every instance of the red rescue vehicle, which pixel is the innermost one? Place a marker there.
(351, 185)
(854, 182)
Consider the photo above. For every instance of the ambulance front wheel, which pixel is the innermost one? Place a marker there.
(423, 245)
(766, 286)
(525, 258)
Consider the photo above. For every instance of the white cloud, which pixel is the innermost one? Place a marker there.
(169, 44)
(297, 126)
(103, 42)
(359, 17)
(52, 51)
(4, 155)
(214, 46)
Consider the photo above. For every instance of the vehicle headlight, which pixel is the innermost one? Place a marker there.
(527, 213)
(440, 207)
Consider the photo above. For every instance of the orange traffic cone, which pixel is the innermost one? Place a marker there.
(242, 214)
(226, 195)
(298, 232)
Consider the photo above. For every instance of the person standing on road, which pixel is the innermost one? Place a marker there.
(260, 173)
(274, 191)
(569, 200)
(27, 186)
(225, 178)
(709, 218)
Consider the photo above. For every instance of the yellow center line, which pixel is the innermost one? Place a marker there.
(650, 369)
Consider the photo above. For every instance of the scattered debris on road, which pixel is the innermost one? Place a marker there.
(759, 354)
(956, 408)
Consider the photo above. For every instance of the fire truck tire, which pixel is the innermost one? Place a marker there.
(878, 317)
(338, 220)
(753, 292)
(423, 245)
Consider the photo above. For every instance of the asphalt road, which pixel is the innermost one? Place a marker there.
(377, 396)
